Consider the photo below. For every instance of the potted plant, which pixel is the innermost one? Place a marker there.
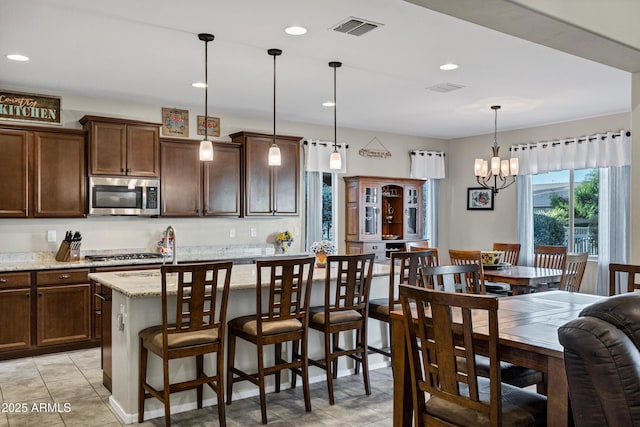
(322, 249)
(284, 240)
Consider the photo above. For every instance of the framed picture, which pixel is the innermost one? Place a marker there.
(479, 199)
(213, 126)
(175, 122)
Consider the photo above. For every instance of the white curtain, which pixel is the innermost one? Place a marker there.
(595, 151)
(313, 215)
(524, 218)
(317, 154)
(431, 223)
(613, 222)
(427, 164)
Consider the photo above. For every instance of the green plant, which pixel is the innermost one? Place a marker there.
(284, 236)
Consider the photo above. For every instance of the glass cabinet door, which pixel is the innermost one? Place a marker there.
(412, 212)
(371, 196)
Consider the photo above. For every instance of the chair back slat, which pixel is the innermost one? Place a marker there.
(433, 350)
(511, 252)
(199, 305)
(617, 271)
(573, 272)
(289, 286)
(550, 256)
(461, 257)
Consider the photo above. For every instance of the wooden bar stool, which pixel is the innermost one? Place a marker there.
(199, 329)
(346, 311)
(286, 319)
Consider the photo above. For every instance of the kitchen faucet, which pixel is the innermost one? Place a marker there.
(166, 242)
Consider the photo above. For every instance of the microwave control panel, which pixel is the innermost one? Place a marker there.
(152, 197)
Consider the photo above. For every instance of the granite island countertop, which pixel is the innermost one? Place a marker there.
(146, 283)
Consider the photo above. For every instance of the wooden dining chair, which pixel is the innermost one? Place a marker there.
(465, 279)
(511, 252)
(345, 310)
(550, 256)
(419, 244)
(616, 273)
(287, 283)
(573, 272)
(405, 268)
(200, 310)
(439, 328)
(435, 259)
(462, 257)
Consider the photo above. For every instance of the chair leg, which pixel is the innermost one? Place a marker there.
(222, 418)
(167, 392)
(231, 352)
(305, 372)
(336, 348)
(142, 378)
(199, 374)
(278, 360)
(295, 354)
(263, 397)
(361, 342)
(328, 365)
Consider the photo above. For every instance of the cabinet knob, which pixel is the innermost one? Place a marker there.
(64, 276)
(3, 280)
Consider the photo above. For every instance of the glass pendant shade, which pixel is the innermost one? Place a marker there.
(335, 161)
(275, 159)
(206, 150)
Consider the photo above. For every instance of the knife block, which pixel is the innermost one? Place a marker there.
(66, 254)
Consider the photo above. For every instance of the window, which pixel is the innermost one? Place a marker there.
(321, 206)
(328, 208)
(565, 210)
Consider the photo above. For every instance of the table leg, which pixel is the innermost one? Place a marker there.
(557, 393)
(402, 400)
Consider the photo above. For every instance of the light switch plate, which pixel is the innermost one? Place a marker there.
(51, 235)
(232, 233)
(254, 232)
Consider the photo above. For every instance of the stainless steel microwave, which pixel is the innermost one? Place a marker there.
(124, 196)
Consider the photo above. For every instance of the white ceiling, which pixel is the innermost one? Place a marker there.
(147, 51)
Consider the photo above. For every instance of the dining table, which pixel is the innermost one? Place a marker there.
(522, 278)
(528, 327)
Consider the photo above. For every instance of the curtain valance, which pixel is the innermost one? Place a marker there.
(317, 154)
(595, 151)
(427, 164)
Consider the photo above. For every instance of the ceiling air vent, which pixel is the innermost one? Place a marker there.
(355, 26)
(445, 87)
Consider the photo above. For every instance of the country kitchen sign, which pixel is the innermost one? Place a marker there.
(29, 107)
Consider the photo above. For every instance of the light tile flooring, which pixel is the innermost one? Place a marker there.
(76, 378)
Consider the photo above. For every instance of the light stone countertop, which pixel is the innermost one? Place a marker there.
(146, 283)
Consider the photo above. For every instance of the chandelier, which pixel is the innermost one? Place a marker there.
(502, 172)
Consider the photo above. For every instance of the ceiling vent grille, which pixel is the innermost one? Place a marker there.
(445, 87)
(355, 26)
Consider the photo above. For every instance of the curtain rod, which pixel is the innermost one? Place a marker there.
(324, 144)
(428, 153)
(567, 141)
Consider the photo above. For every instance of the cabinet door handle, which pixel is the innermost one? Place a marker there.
(3, 280)
(64, 276)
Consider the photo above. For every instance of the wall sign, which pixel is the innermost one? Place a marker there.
(175, 122)
(29, 107)
(213, 126)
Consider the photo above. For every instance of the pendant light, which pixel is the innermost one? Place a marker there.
(499, 173)
(335, 161)
(275, 159)
(206, 147)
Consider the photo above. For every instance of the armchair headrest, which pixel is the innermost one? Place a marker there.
(622, 311)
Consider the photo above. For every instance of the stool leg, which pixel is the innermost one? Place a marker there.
(278, 360)
(336, 348)
(222, 418)
(305, 371)
(361, 337)
(199, 373)
(328, 365)
(142, 378)
(231, 352)
(167, 392)
(295, 354)
(263, 397)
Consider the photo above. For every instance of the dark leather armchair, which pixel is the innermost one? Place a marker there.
(602, 359)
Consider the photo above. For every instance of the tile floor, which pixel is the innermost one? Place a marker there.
(76, 378)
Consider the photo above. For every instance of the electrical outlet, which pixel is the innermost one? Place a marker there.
(232, 233)
(51, 236)
(254, 232)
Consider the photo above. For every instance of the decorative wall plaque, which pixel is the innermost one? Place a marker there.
(175, 122)
(375, 153)
(213, 126)
(30, 107)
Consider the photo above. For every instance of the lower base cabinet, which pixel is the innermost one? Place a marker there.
(64, 314)
(15, 318)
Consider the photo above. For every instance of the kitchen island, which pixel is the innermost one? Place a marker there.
(136, 304)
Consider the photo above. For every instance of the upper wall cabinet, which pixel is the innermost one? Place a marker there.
(194, 188)
(122, 147)
(43, 172)
(270, 190)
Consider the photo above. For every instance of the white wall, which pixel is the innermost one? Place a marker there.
(26, 235)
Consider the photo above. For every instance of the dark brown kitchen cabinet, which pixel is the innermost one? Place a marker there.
(15, 311)
(122, 147)
(193, 188)
(270, 190)
(43, 173)
(63, 307)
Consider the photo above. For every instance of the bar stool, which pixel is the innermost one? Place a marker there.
(199, 329)
(345, 312)
(286, 318)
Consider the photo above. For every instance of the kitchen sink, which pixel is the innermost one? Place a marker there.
(139, 274)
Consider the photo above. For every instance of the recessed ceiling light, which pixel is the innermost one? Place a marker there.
(295, 30)
(17, 57)
(328, 104)
(199, 85)
(448, 67)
